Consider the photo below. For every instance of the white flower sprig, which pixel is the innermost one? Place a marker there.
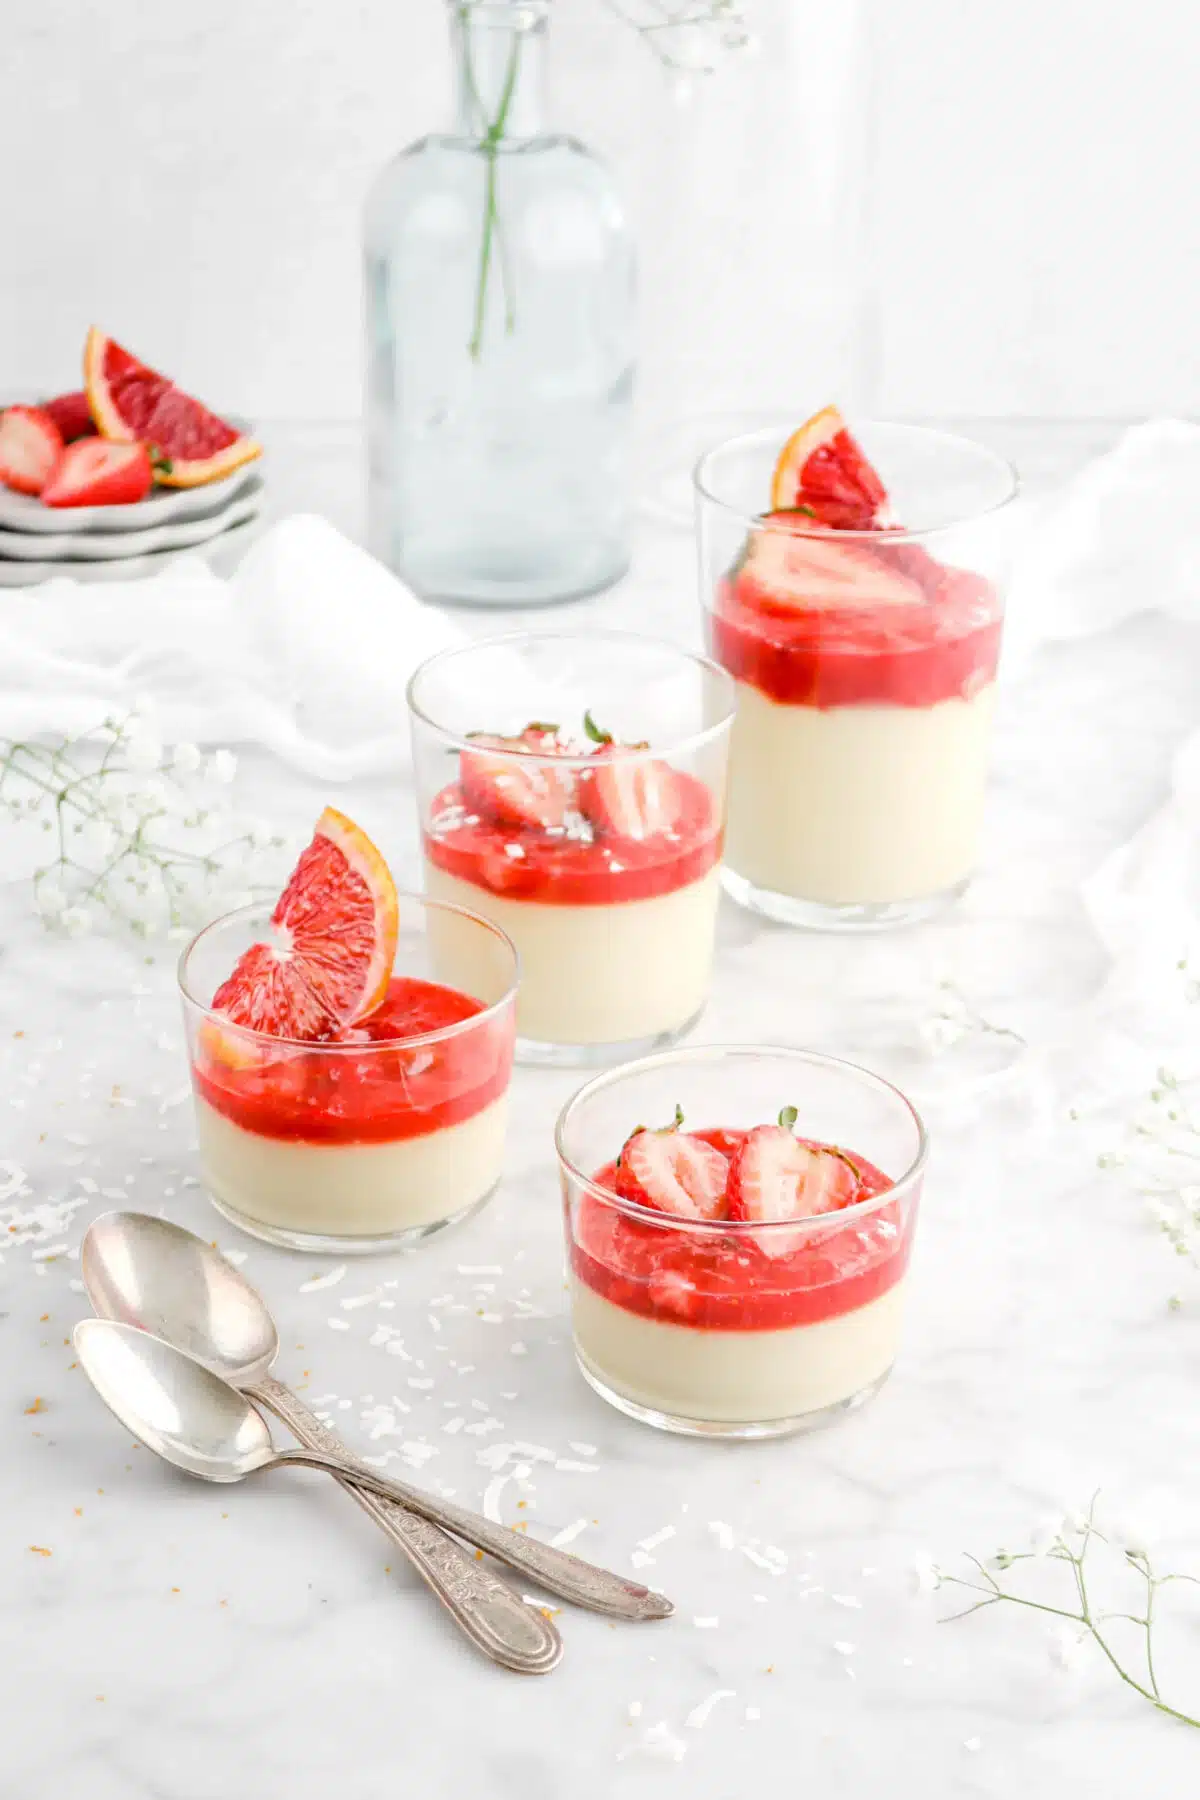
(691, 37)
(141, 834)
(1160, 1158)
(1067, 1542)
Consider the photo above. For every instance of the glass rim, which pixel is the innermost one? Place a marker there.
(875, 533)
(820, 1224)
(584, 759)
(458, 1029)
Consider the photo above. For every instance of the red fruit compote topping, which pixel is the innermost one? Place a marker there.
(739, 1279)
(814, 613)
(610, 824)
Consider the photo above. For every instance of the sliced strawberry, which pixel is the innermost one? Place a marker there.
(775, 1176)
(823, 472)
(788, 569)
(72, 414)
(94, 472)
(518, 788)
(630, 797)
(30, 445)
(674, 1172)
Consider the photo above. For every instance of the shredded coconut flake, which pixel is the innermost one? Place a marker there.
(568, 1534)
(697, 1719)
(315, 1283)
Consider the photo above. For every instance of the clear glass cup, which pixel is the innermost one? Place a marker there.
(599, 861)
(368, 1144)
(738, 1330)
(865, 664)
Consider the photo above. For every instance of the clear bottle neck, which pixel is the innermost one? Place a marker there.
(498, 50)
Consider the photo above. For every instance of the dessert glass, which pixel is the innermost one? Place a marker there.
(360, 1145)
(738, 1329)
(614, 927)
(864, 704)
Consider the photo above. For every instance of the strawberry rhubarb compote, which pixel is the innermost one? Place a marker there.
(345, 1097)
(597, 854)
(742, 1280)
(865, 661)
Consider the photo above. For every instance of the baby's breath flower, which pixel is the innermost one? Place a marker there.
(925, 1574)
(131, 843)
(185, 759)
(1065, 1645)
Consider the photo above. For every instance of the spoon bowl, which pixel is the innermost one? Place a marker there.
(150, 1273)
(177, 1407)
(145, 1272)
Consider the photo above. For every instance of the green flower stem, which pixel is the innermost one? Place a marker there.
(1089, 1621)
(492, 237)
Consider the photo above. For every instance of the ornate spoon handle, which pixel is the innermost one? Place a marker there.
(556, 1570)
(496, 1620)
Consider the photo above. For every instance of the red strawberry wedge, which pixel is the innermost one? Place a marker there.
(516, 789)
(72, 414)
(94, 472)
(673, 1172)
(629, 797)
(30, 445)
(791, 569)
(774, 1176)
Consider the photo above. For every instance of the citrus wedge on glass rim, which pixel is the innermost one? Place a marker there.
(823, 472)
(328, 959)
(133, 403)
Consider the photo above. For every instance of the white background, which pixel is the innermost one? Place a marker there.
(192, 177)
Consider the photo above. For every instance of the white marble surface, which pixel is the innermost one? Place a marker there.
(180, 1642)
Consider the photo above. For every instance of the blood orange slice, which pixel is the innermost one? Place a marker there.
(134, 404)
(823, 473)
(333, 941)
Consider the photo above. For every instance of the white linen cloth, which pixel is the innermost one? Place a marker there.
(306, 651)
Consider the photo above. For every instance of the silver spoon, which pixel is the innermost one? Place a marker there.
(152, 1273)
(202, 1424)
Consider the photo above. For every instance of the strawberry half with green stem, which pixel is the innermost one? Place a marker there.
(30, 445)
(775, 1176)
(629, 795)
(673, 1172)
(518, 787)
(94, 472)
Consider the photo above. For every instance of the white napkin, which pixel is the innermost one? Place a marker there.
(306, 651)
(1123, 539)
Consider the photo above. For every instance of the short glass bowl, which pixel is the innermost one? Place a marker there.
(365, 1145)
(738, 1330)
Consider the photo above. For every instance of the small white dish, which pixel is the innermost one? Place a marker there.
(222, 550)
(162, 506)
(111, 546)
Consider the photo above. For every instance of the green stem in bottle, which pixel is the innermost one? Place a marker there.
(493, 136)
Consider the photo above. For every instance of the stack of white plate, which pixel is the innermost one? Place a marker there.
(113, 543)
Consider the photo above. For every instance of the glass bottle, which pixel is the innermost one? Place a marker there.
(499, 288)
